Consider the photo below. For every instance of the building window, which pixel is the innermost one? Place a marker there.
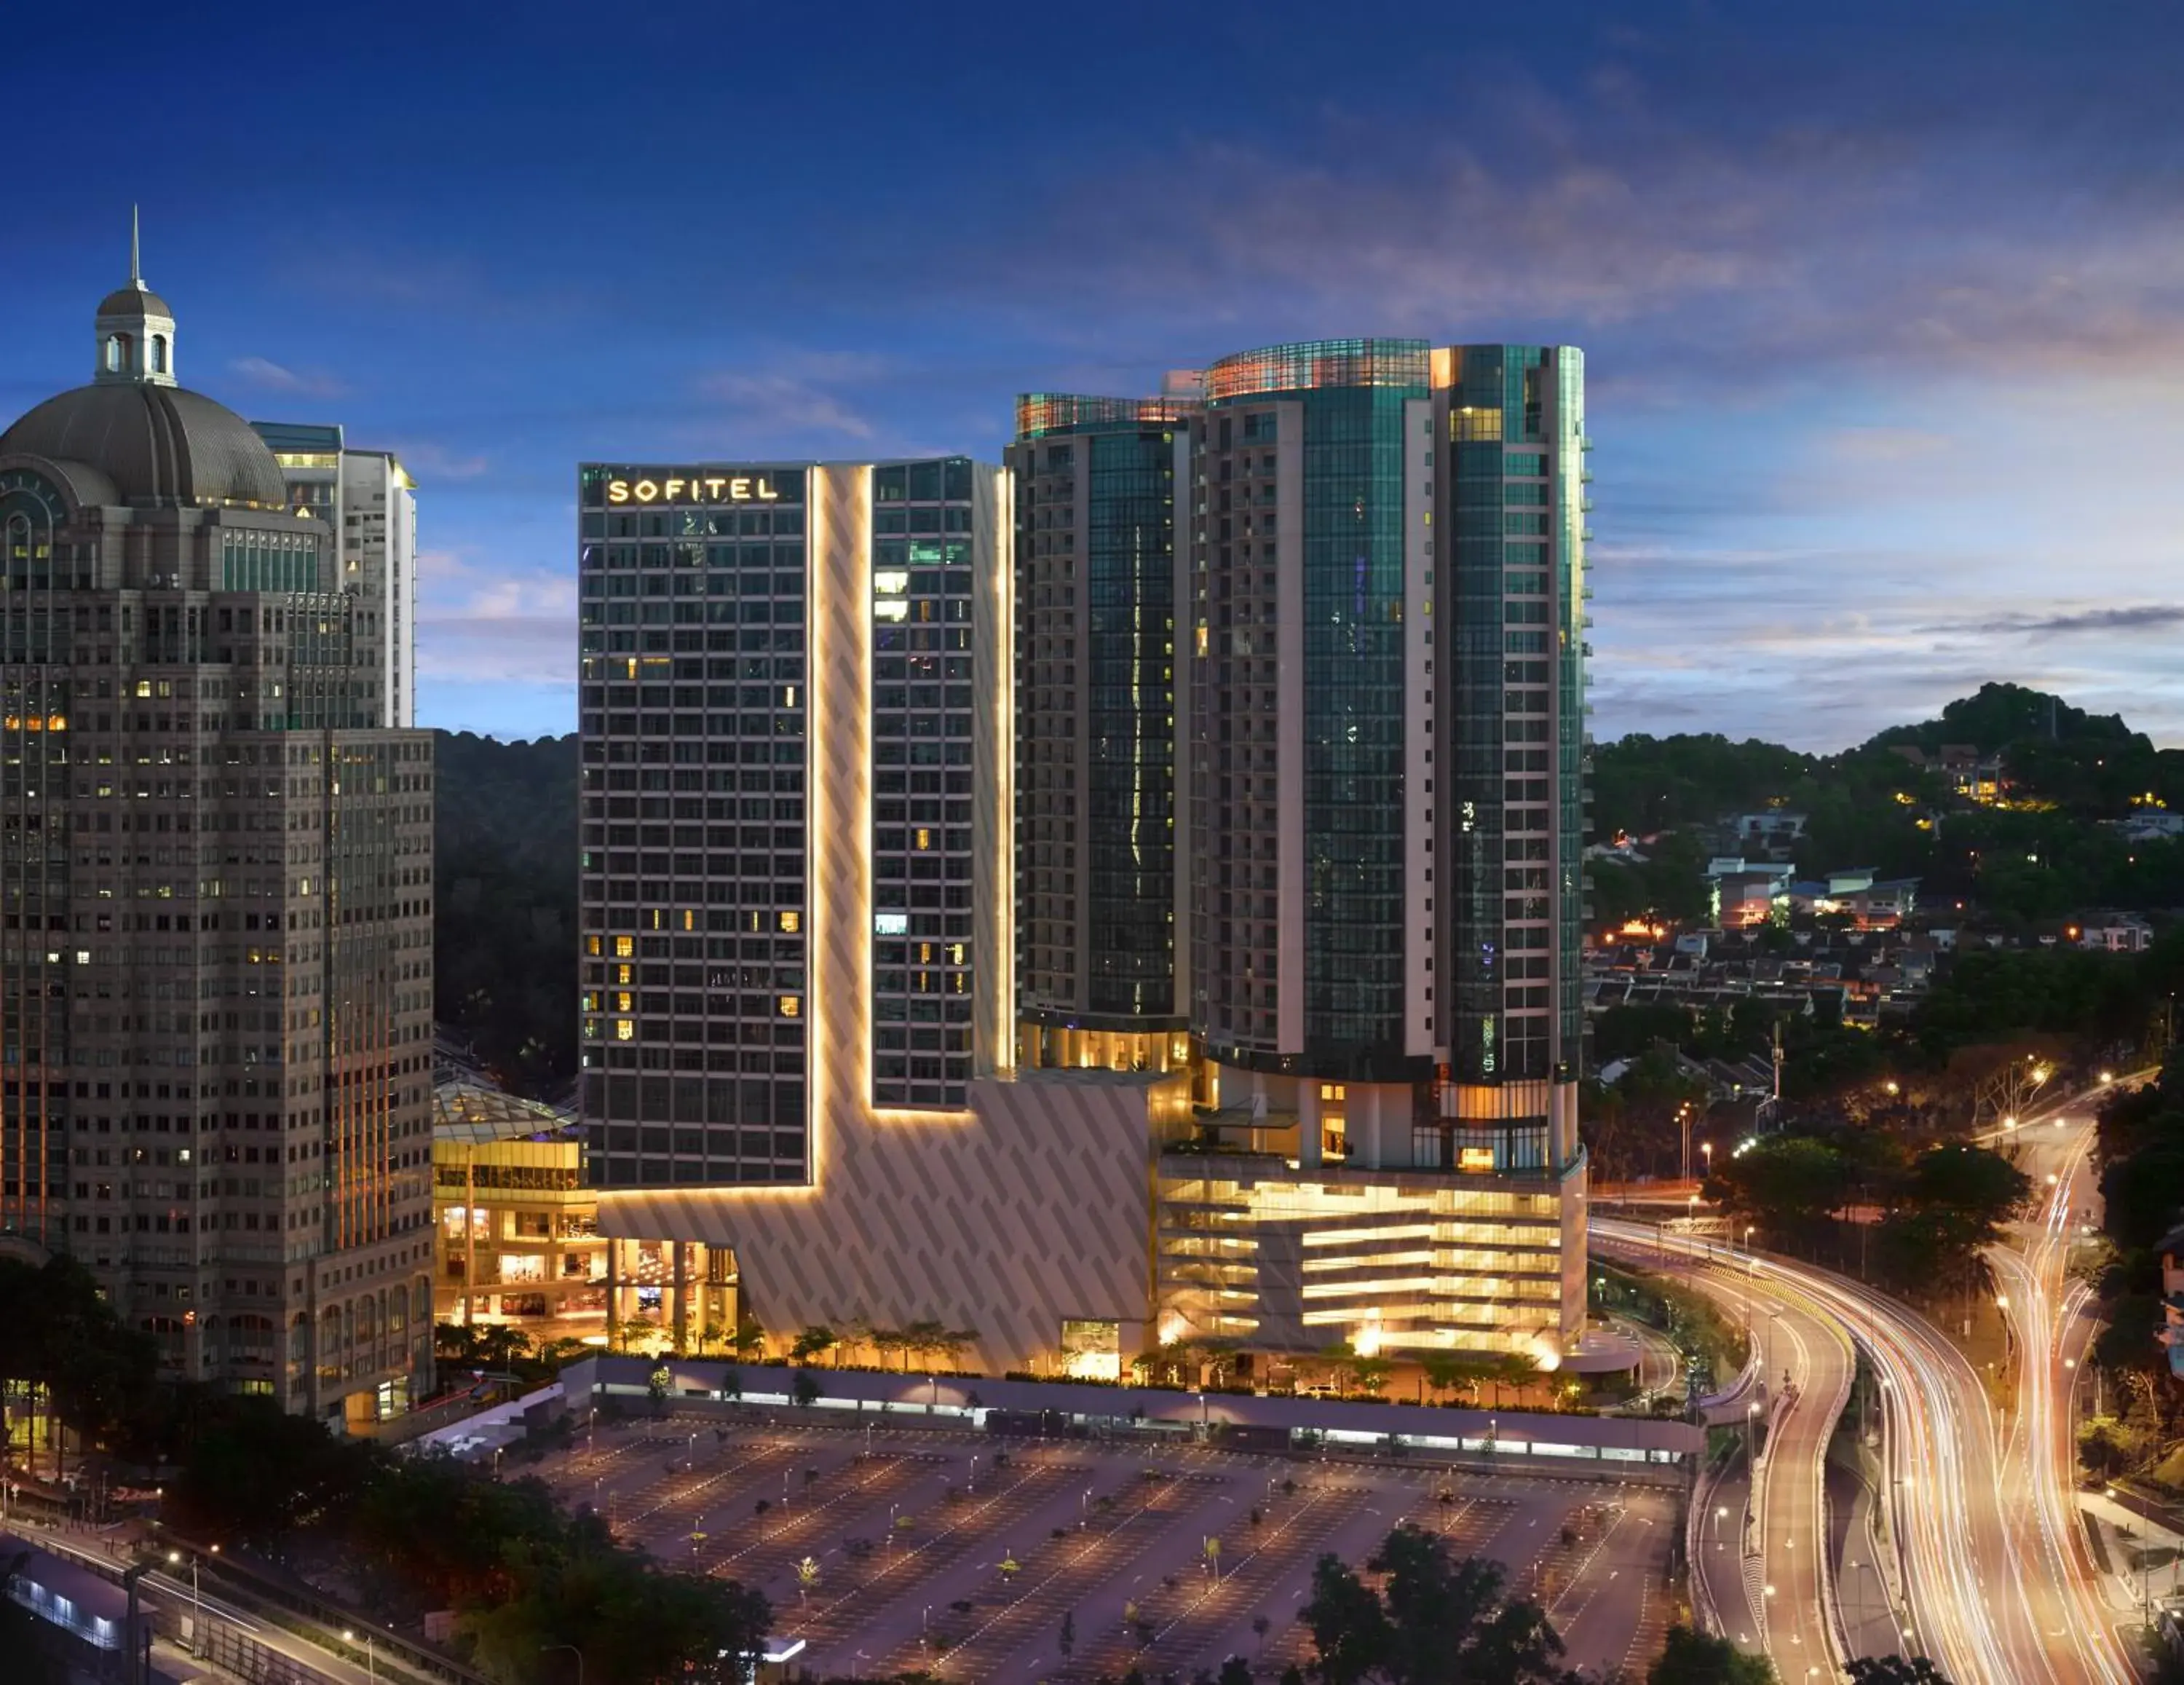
(159, 354)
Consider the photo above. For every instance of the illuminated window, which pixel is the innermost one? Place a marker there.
(625, 946)
(625, 1029)
(791, 921)
(592, 946)
(790, 1006)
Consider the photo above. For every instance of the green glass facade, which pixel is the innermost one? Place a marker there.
(1354, 628)
(1096, 820)
(1300, 873)
(1513, 493)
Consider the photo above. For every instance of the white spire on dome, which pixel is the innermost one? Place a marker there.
(136, 329)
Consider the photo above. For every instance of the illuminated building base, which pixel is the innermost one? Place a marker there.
(1072, 1219)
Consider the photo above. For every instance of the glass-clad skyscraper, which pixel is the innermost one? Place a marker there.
(1100, 965)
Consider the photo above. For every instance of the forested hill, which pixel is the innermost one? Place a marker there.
(2040, 852)
(506, 928)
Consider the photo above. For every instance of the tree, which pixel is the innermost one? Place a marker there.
(805, 1389)
(1438, 1621)
(252, 1473)
(1349, 1627)
(1370, 1374)
(1788, 1184)
(815, 1341)
(1693, 1658)
(1234, 1670)
(1445, 1371)
(62, 1336)
(749, 1338)
(1068, 1637)
(499, 1346)
(1896, 1670)
(1952, 1209)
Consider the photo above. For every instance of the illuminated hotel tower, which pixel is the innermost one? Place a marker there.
(794, 745)
(216, 898)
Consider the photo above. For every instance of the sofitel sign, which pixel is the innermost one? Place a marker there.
(697, 488)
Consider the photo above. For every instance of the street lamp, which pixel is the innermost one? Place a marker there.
(369, 1671)
(573, 1651)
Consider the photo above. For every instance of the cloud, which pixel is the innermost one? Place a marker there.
(271, 376)
(1694, 250)
(800, 397)
(478, 621)
(430, 461)
(2132, 618)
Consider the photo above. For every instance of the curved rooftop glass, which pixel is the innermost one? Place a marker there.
(1312, 363)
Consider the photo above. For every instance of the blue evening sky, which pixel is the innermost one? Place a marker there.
(1883, 303)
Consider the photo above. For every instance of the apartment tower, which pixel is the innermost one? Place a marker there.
(1374, 769)
(1102, 977)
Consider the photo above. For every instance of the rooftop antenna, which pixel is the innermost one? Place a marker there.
(136, 277)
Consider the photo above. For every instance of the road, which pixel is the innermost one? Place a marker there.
(1982, 1601)
(1769, 1581)
(2051, 1330)
(281, 1654)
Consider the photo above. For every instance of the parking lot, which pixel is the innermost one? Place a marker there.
(892, 1549)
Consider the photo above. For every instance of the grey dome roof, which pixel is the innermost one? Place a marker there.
(135, 299)
(157, 444)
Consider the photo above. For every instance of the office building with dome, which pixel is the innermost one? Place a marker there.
(215, 897)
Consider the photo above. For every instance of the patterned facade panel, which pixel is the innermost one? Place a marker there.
(1034, 1209)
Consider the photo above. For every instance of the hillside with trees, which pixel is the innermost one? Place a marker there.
(2041, 853)
(505, 918)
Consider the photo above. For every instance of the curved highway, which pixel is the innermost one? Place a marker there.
(1767, 1567)
(2050, 1338)
(1976, 1606)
